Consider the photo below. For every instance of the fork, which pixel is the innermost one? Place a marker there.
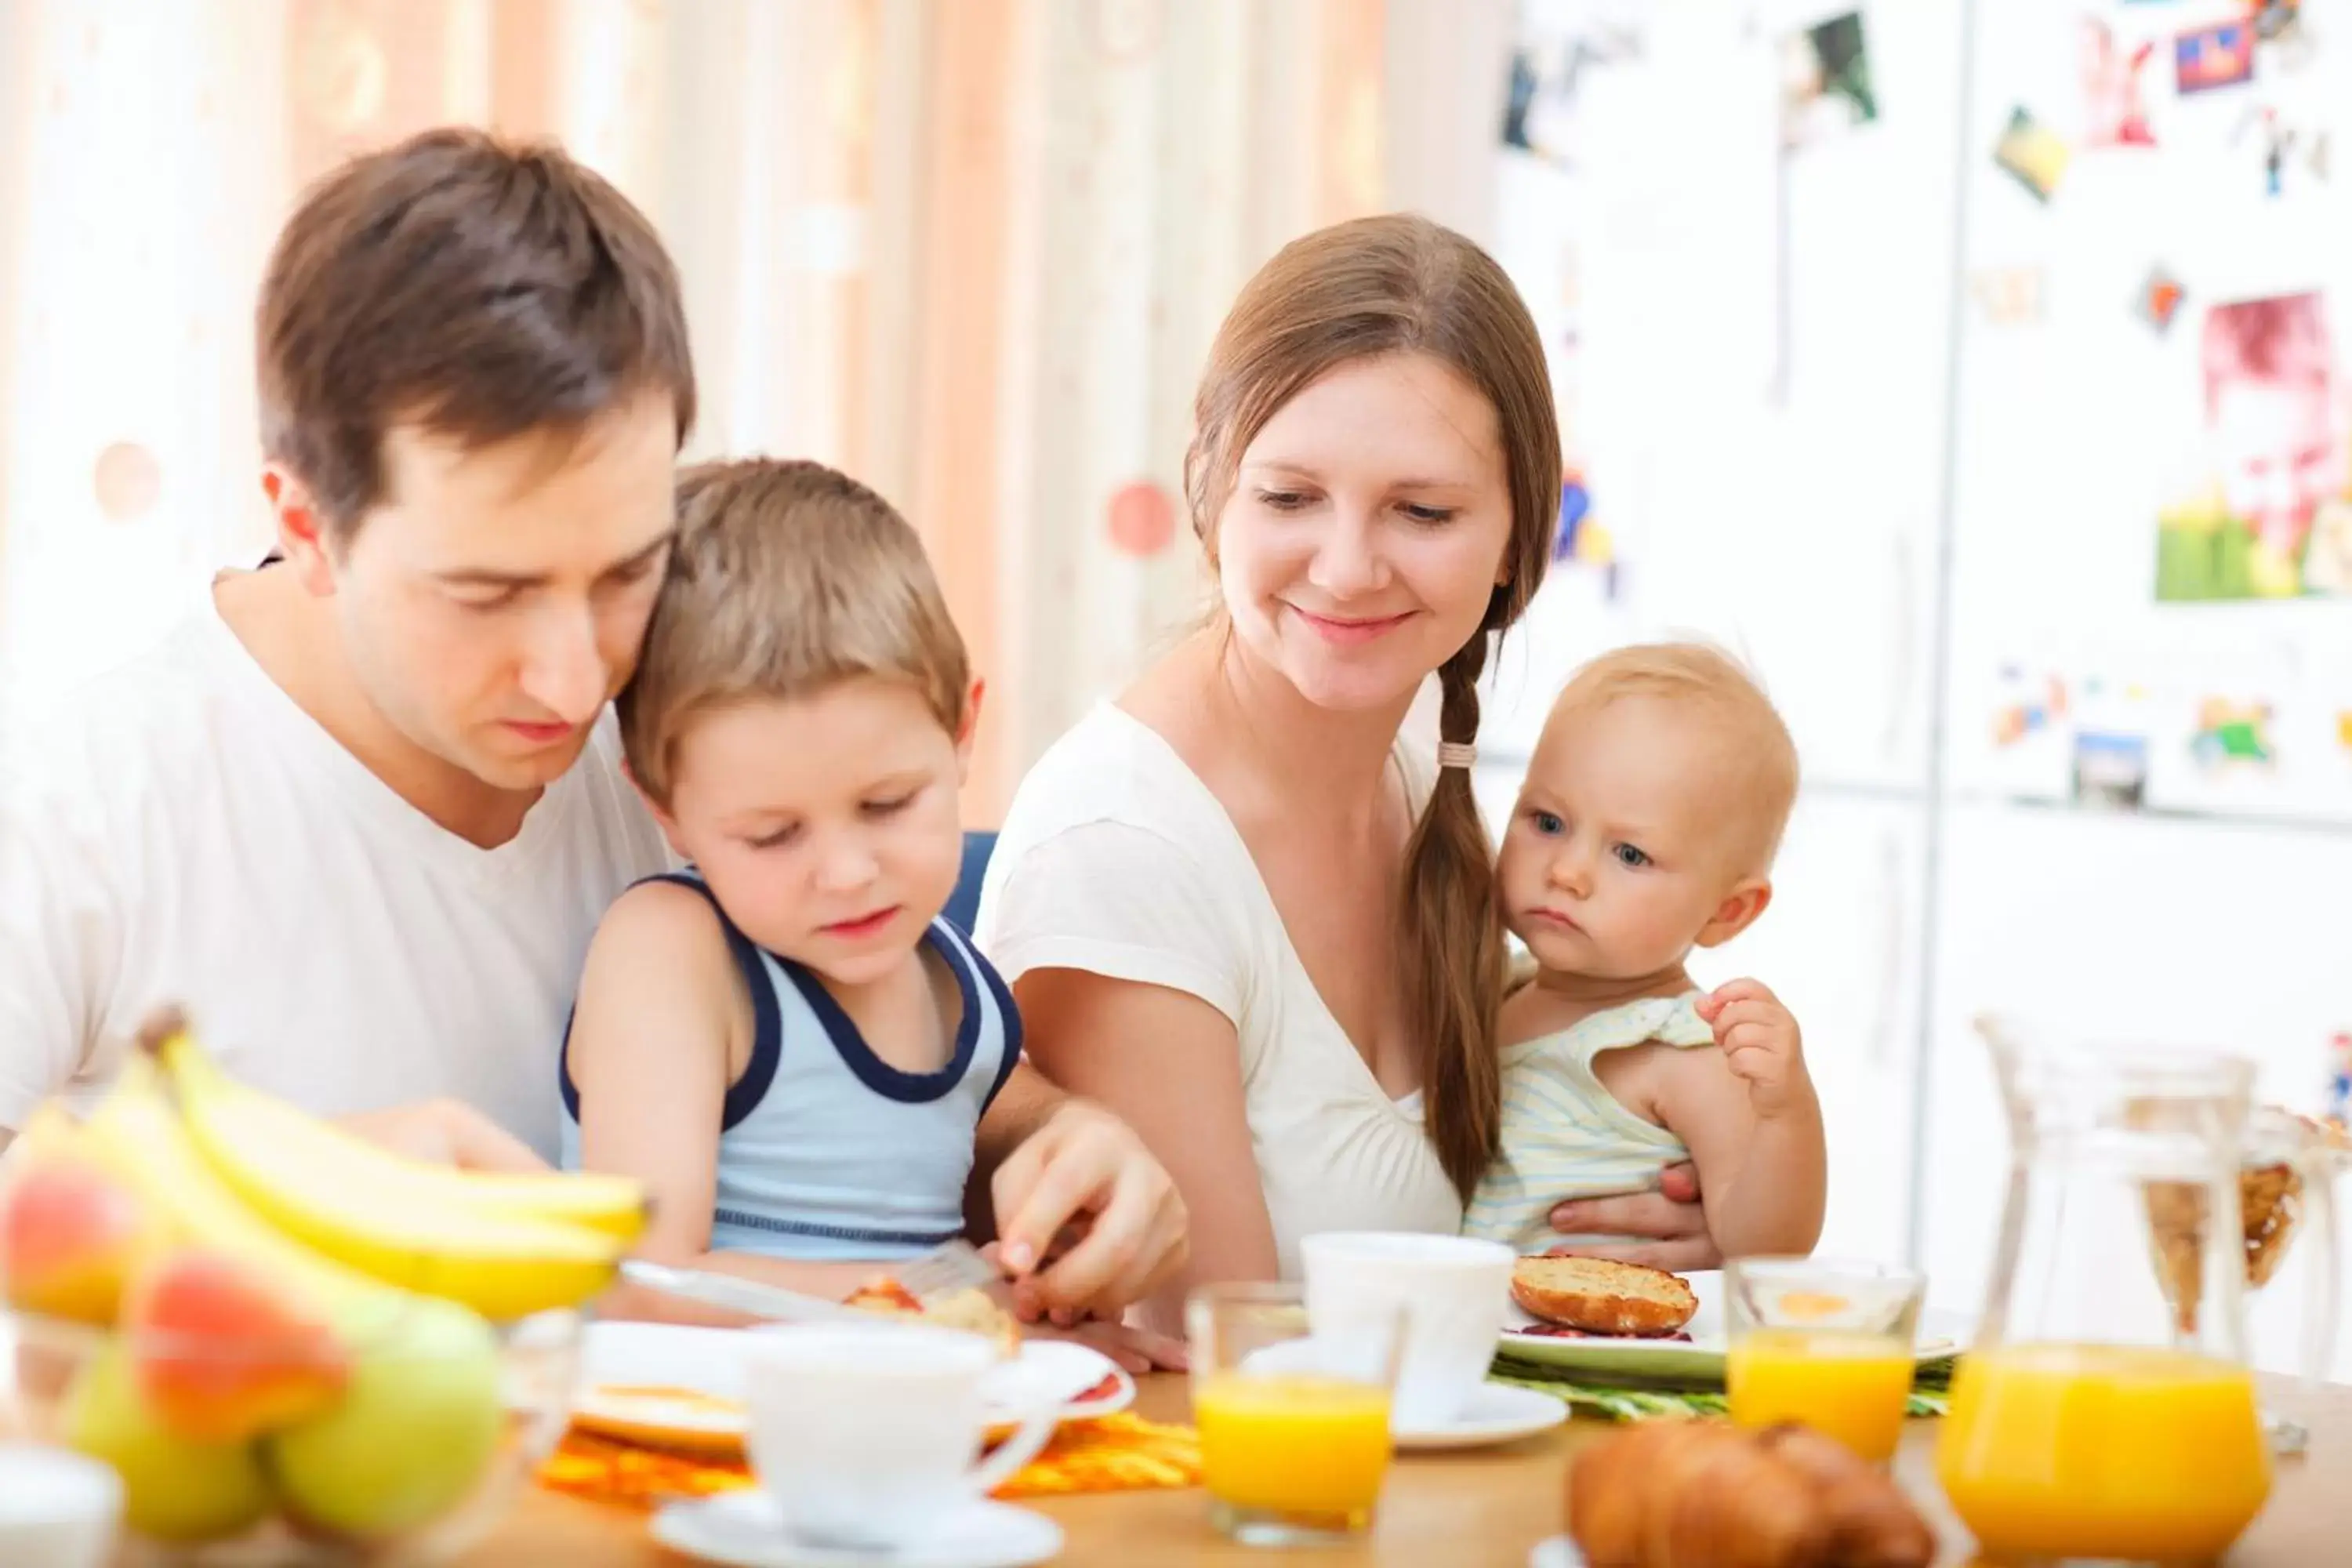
(953, 1265)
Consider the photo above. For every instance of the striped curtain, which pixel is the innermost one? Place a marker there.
(972, 251)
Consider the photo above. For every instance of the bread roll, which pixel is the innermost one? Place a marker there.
(1704, 1494)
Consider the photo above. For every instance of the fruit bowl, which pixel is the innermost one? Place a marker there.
(437, 1420)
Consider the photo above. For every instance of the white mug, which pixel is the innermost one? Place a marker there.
(58, 1508)
(1454, 1290)
(864, 1435)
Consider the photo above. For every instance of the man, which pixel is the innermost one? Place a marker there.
(359, 814)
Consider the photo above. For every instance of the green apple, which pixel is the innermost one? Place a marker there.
(418, 1423)
(173, 1489)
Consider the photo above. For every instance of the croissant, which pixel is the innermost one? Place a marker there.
(1704, 1494)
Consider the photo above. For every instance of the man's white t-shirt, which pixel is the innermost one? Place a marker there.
(1116, 859)
(184, 833)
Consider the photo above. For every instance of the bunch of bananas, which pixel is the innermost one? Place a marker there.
(293, 1317)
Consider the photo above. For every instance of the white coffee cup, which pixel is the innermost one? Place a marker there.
(865, 1436)
(58, 1508)
(1454, 1290)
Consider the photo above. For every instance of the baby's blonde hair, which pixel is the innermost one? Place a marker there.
(1759, 756)
(786, 578)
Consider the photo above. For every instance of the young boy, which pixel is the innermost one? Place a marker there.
(785, 1042)
(1646, 827)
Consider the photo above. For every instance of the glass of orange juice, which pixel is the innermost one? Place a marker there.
(1294, 1422)
(1825, 1343)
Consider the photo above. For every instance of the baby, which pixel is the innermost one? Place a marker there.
(785, 1042)
(1646, 827)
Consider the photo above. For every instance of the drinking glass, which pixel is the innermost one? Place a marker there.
(1294, 1421)
(1823, 1343)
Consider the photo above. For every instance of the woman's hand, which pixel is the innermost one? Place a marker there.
(1090, 1221)
(1671, 1221)
(1135, 1350)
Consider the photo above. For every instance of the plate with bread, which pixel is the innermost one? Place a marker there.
(1625, 1322)
(674, 1387)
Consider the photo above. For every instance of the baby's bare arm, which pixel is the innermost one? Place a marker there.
(1765, 1178)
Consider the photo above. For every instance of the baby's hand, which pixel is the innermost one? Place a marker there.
(1761, 1043)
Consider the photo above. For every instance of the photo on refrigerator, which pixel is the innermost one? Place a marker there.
(2268, 514)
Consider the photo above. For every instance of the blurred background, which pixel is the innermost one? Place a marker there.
(1971, 366)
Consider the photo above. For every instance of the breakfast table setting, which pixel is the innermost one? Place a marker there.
(218, 1357)
(1488, 1506)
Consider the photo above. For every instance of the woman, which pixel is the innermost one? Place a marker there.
(1240, 908)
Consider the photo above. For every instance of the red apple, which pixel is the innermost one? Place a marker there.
(221, 1352)
(71, 1237)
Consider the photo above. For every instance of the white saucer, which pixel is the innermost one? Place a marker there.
(1559, 1552)
(1496, 1413)
(743, 1528)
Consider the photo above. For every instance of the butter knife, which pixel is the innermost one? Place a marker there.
(734, 1295)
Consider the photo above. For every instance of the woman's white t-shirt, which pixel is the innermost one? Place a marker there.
(1116, 859)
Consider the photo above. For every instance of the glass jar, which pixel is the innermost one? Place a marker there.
(2107, 1408)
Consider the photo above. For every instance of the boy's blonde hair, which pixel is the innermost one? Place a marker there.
(786, 578)
(1759, 756)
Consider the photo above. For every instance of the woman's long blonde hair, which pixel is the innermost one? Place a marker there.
(1386, 285)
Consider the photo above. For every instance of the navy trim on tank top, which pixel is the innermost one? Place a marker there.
(744, 1095)
(896, 1083)
(1011, 1014)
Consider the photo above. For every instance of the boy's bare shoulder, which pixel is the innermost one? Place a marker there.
(660, 921)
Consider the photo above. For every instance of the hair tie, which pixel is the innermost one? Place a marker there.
(1457, 754)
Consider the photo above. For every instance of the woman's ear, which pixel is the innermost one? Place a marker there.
(1738, 912)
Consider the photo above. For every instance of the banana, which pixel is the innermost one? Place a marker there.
(502, 1264)
(139, 1137)
(237, 1115)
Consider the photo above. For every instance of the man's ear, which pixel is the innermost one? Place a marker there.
(304, 537)
(1738, 912)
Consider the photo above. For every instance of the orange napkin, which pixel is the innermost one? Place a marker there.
(1115, 1453)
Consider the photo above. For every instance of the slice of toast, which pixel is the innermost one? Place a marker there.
(968, 1309)
(1602, 1297)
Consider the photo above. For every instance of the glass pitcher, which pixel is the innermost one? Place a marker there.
(2108, 1409)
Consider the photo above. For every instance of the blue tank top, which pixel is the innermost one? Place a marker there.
(827, 1153)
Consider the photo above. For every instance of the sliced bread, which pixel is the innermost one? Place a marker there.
(1602, 1297)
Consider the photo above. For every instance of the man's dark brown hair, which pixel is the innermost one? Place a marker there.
(479, 289)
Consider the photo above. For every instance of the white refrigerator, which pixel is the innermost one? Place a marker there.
(1815, 429)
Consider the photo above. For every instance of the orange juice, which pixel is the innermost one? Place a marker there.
(1297, 1444)
(1855, 1387)
(2116, 1451)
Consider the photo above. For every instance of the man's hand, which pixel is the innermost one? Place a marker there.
(444, 1132)
(1085, 1170)
(1671, 1219)
(1761, 1045)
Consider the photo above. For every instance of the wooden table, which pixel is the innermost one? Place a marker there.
(1464, 1510)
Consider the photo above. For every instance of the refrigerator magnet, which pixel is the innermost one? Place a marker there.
(2008, 296)
(2032, 155)
(2211, 58)
(2114, 104)
(2160, 299)
(2110, 770)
